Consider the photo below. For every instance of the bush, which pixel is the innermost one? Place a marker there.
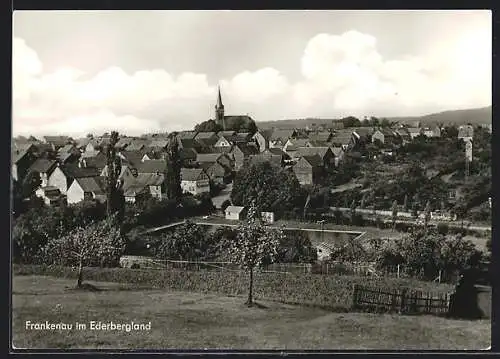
(443, 228)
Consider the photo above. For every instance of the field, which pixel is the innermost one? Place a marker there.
(196, 321)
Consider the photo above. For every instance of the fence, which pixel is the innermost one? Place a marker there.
(400, 301)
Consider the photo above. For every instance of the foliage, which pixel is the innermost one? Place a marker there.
(100, 243)
(225, 204)
(208, 126)
(254, 245)
(114, 191)
(273, 189)
(187, 242)
(296, 247)
(173, 170)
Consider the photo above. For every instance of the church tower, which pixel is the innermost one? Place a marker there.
(219, 112)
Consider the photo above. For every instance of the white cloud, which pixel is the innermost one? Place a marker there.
(341, 75)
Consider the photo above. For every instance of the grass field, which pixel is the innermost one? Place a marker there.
(195, 321)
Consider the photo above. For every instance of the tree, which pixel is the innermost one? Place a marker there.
(98, 244)
(208, 126)
(173, 170)
(394, 213)
(114, 193)
(427, 215)
(187, 242)
(296, 247)
(255, 245)
(272, 188)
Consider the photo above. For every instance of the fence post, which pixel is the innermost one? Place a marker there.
(403, 300)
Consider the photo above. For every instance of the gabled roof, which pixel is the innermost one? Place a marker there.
(138, 144)
(96, 185)
(241, 137)
(322, 136)
(73, 171)
(282, 134)
(342, 137)
(67, 148)
(57, 140)
(277, 152)
(191, 174)
(318, 143)
(226, 134)
(208, 157)
(186, 134)
(143, 180)
(364, 132)
(266, 157)
(313, 160)
(246, 149)
(235, 209)
(265, 133)
(82, 142)
(311, 151)
(205, 135)
(18, 155)
(97, 162)
(151, 166)
(188, 143)
(299, 142)
(159, 143)
(123, 142)
(188, 154)
(42, 165)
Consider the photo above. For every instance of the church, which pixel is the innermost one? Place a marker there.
(237, 122)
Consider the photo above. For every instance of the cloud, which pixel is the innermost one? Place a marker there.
(341, 74)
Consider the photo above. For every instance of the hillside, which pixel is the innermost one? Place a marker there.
(474, 116)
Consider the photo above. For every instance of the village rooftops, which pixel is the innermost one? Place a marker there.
(96, 185)
(73, 171)
(151, 166)
(43, 165)
(311, 151)
(313, 160)
(208, 157)
(191, 174)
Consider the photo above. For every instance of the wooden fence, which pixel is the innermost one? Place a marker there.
(404, 301)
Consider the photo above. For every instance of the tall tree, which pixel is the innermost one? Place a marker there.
(394, 214)
(173, 169)
(255, 245)
(115, 199)
(92, 245)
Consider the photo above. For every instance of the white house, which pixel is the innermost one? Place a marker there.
(223, 141)
(87, 188)
(235, 212)
(194, 181)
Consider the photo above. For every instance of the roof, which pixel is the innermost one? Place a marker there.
(57, 140)
(159, 143)
(96, 185)
(313, 143)
(188, 143)
(42, 165)
(138, 144)
(66, 148)
(299, 142)
(246, 149)
(187, 154)
(266, 157)
(73, 171)
(151, 166)
(143, 180)
(97, 162)
(186, 134)
(82, 142)
(226, 134)
(403, 132)
(132, 157)
(311, 151)
(337, 151)
(277, 152)
(241, 137)
(18, 155)
(191, 174)
(363, 131)
(342, 137)
(322, 136)
(124, 141)
(313, 160)
(208, 157)
(414, 129)
(235, 209)
(265, 133)
(205, 135)
(283, 134)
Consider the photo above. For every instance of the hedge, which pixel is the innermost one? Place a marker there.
(327, 291)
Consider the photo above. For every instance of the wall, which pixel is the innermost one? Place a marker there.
(58, 179)
(75, 193)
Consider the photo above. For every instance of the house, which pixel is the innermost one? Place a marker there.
(87, 188)
(216, 172)
(152, 166)
(144, 184)
(224, 141)
(338, 152)
(207, 139)
(227, 134)
(320, 136)
(465, 133)
(68, 157)
(81, 143)
(57, 141)
(415, 132)
(241, 137)
(236, 213)
(98, 161)
(293, 144)
(404, 135)
(222, 158)
(51, 195)
(188, 156)
(190, 143)
(343, 138)
(279, 137)
(261, 138)
(158, 145)
(63, 176)
(325, 153)
(125, 172)
(194, 181)
(44, 167)
(241, 154)
(432, 132)
(274, 156)
(138, 145)
(21, 161)
(132, 158)
(385, 136)
(363, 134)
(308, 169)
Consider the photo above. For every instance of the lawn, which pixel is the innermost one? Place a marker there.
(186, 320)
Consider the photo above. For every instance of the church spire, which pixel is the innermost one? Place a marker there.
(219, 111)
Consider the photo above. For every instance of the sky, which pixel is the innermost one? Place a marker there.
(80, 72)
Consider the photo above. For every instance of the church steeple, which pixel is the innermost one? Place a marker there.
(219, 111)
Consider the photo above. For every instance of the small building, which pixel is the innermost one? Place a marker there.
(194, 181)
(44, 167)
(308, 169)
(51, 195)
(63, 176)
(218, 173)
(236, 213)
(241, 153)
(343, 138)
(385, 136)
(261, 138)
(87, 188)
(325, 153)
(22, 159)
